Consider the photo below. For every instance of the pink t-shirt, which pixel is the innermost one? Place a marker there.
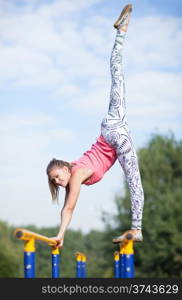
(99, 159)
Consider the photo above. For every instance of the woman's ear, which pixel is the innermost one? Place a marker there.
(66, 169)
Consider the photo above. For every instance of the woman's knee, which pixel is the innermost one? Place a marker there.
(124, 145)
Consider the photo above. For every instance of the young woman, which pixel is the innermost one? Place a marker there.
(115, 142)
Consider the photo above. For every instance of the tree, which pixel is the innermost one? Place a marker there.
(9, 254)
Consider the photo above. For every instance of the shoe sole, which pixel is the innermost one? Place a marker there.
(119, 242)
(128, 237)
(126, 9)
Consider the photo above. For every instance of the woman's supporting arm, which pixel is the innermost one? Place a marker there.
(67, 211)
(71, 197)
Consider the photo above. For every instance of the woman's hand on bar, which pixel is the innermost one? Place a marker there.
(59, 240)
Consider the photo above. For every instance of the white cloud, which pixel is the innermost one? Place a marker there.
(155, 42)
(24, 155)
(45, 47)
(27, 137)
(154, 94)
(37, 49)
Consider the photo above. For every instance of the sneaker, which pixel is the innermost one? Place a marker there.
(129, 235)
(123, 20)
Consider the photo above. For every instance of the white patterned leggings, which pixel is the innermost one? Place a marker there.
(114, 128)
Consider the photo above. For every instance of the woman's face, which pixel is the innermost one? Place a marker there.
(60, 176)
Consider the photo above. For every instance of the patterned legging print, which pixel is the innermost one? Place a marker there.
(114, 129)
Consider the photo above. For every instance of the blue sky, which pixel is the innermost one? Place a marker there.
(55, 84)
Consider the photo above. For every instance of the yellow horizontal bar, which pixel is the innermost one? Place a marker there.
(26, 235)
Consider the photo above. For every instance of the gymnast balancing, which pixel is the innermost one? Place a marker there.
(115, 142)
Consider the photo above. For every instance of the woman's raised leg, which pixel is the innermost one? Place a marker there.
(117, 110)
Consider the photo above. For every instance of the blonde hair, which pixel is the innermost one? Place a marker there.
(54, 189)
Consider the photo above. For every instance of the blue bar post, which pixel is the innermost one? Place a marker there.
(127, 259)
(116, 264)
(55, 263)
(129, 266)
(78, 265)
(29, 259)
(121, 261)
(83, 266)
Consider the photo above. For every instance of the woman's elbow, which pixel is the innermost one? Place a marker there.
(68, 209)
